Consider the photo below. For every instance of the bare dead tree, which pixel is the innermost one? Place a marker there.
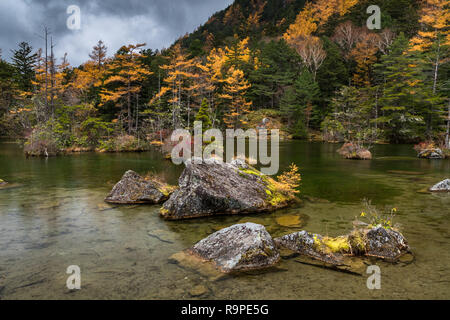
(311, 51)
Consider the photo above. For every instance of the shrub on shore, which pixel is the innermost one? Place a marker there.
(122, 143)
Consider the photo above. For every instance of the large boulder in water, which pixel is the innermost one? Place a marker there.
(212, 187)
(240, 247)
(133, 188)
(443, 186)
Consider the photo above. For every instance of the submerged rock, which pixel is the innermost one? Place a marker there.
(212, 187)
(443, 186)
(431, 153)
(378, 242)
(198, 291)
(240, 247)
(353, 151)
(289, 220)
(133, 188)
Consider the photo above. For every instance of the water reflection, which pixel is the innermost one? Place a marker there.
(57, 218)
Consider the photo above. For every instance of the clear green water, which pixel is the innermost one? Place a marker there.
(53, 218)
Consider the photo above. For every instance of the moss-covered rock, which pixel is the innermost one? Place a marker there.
(380, 242)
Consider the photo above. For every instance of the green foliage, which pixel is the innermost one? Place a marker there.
(203, 115)
(122, 143)
(405, 103)
(23, 61)
(278, 68)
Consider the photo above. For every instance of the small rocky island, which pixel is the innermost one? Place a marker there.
(354, 151)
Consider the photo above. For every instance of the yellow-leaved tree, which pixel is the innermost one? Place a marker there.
(233, 95)
(124, 76)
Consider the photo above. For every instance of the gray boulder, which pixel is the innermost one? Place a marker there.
(213, 187)
(385, 243)
(443, 186)
(240, 247)
(133, 188)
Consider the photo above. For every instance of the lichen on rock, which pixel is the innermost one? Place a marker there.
(239, 247)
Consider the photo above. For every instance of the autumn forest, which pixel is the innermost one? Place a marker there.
(312, 67)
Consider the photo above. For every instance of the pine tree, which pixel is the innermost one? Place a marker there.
(277, 69)
(298, 102)
(24, 61)
(203, 115)
(98, 54)
(404, 104)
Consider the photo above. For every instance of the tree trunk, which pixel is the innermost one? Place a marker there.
(129, 108)
(447, 135)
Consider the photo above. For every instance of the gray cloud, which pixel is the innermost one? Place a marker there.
(158, 23)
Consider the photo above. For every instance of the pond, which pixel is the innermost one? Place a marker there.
(53, 216)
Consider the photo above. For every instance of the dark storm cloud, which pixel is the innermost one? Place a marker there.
(155, 22)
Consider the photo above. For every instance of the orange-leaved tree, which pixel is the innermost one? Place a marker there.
(233, 95)
(124, 76)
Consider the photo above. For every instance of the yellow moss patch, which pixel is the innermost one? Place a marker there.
(332, 245)
(163, 211)
(167, 189)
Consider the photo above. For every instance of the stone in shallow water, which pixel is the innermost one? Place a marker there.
(133, 188)
(213, 187)
(442, 186)
(385, 243)
(240, 247)
(378, 242)
(198, 291)
(189, 262)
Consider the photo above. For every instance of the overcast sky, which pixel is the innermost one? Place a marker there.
(158, 23)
